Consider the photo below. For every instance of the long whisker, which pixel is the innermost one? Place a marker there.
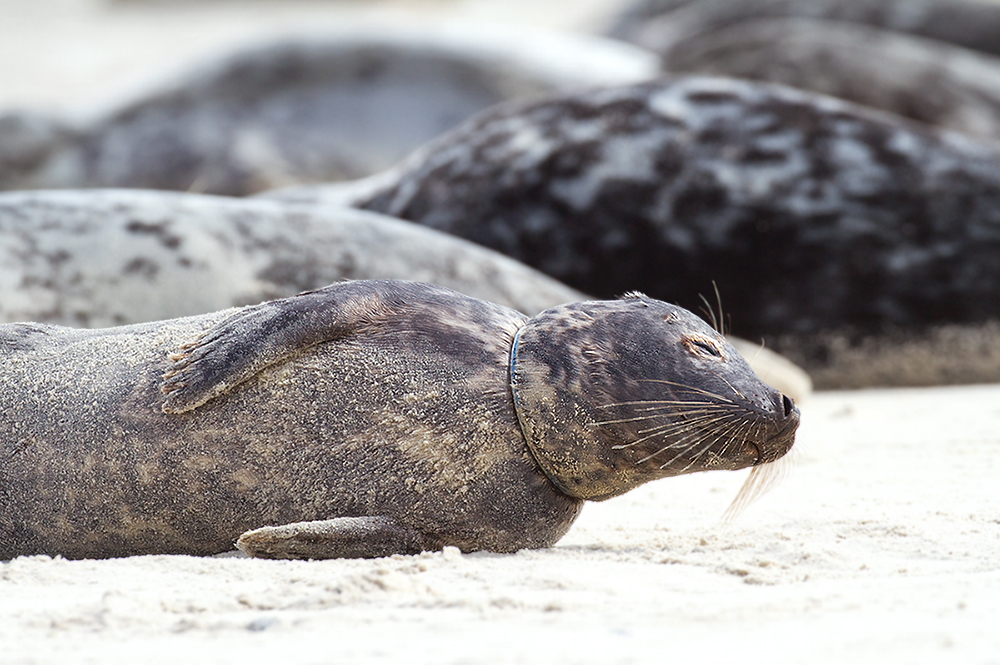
(708, 310)
(674, 413)
(709, 436)
(690, 419)
(737, 438)
(693, 437)
(715, 435)
(662, 402)
(699, 423)
(729, 384)
(762, 479)
(693, 389)
(670, 428)
(718, 322)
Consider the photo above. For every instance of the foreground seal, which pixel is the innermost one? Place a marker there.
(401, 416)
(821, 222)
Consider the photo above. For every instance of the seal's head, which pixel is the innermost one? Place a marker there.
(613, 394)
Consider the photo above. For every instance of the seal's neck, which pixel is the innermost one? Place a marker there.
(550, 401)
(518, 383)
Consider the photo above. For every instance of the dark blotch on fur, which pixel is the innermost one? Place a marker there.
(809, 214)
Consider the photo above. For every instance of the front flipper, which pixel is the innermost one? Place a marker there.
(339, 538)
(253, 338)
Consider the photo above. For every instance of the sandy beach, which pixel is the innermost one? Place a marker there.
(882, 544)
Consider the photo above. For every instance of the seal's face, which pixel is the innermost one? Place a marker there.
(697, 406)
(613, 394)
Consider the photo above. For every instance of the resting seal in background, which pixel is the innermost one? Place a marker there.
(402, 416)
(305, 110)
(934, 82)
(823, 223)
(98, 258)
(661, 24)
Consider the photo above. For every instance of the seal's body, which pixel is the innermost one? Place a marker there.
(400, 416)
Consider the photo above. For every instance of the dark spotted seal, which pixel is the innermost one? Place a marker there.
(823, 223)
(662, 24)
(401, 416)
(924, 79)
(304, 110)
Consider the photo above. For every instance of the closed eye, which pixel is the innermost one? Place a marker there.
(709, 349)
(702, 347)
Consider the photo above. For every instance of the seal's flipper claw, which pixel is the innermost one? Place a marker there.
(241, 345)
(339, 538)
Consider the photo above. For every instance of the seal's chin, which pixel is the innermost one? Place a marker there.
(779, 443)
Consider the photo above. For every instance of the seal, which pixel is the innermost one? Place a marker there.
(303, 110)
(98, 258)
(822, 222)
(923, 79)
(399, 416)
(626, 23)
(663, 24)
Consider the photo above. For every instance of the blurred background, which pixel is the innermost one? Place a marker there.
(57, 53)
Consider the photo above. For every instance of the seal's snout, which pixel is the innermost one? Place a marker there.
(782, 436)
(791, 415)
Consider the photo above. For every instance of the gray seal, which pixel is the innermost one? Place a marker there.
(301, 110)
(934, 82)
(662, 24)
(823, 223)
(97, 258)
(399, 416)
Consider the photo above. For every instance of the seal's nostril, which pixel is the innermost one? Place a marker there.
(788, 405)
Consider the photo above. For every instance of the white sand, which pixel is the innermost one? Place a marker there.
(883, 546)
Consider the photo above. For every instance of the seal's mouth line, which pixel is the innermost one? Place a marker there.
(790, 425)
(782, 439)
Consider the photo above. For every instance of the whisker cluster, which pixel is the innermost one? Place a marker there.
(762, 479)
(692, 427)
(718, 320)
(685, 388)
